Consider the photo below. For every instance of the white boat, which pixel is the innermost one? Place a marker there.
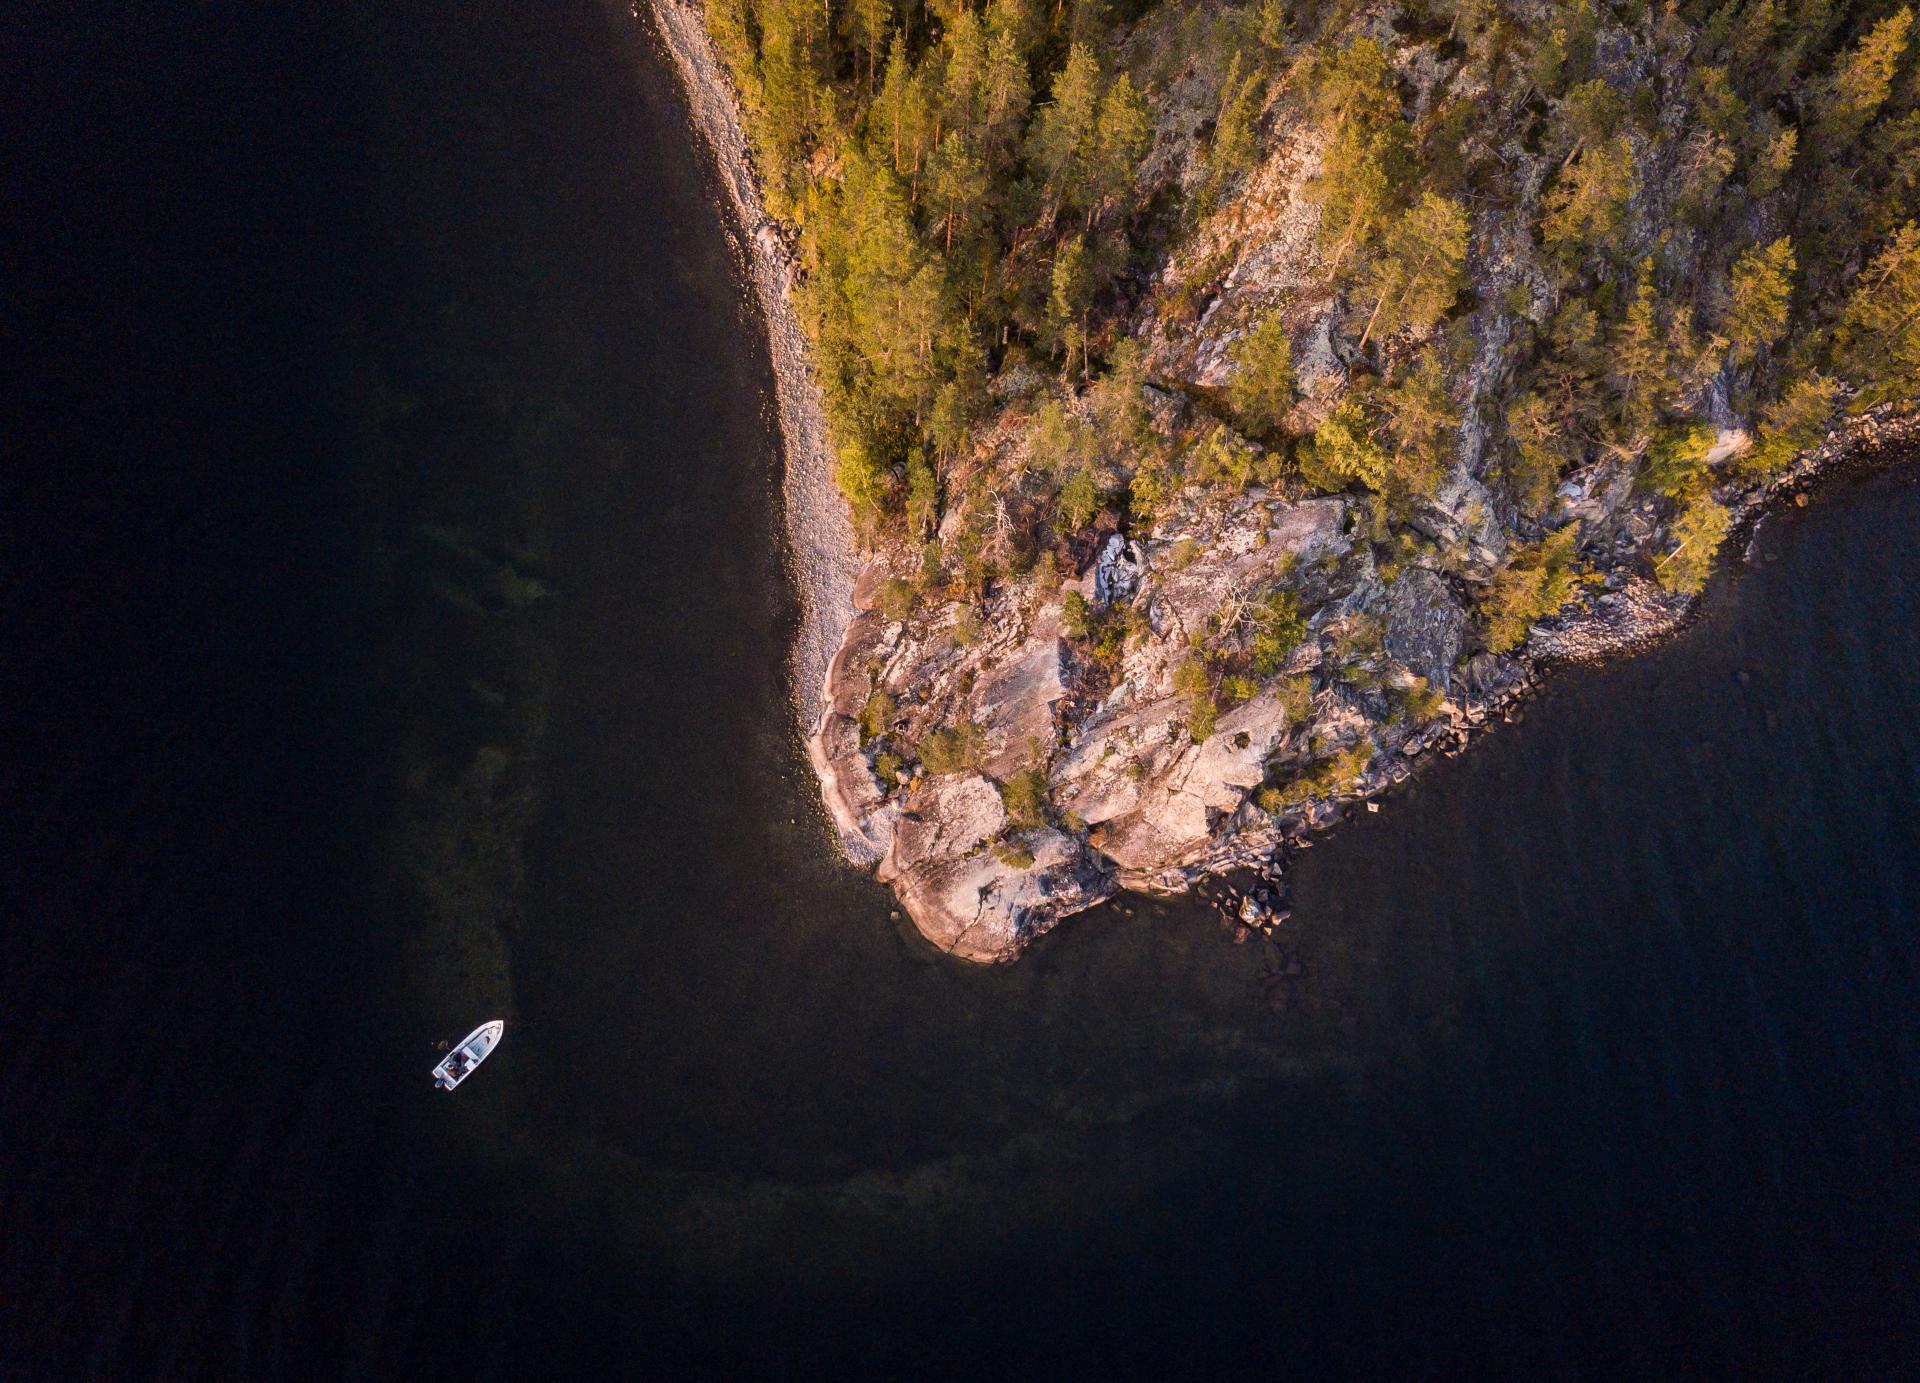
(469, 1053)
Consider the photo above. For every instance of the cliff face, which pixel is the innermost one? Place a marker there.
(1246, 638)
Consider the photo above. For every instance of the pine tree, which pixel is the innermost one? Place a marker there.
(1123, 131)
(1698, 531)
(1063, 135)
(868, 23)
(1079, 499)
(1421, 270)
(1060, 440)
(1006, 97)
(1753, 40)
(1260, 388)
(1535, 582)
(923, 496)
(1119, 411)
(899, 122)
(1069, 298)
(957, 186)
(1274, 24)
(1368, 162)
(1792, 423)
(963, 84)
(1020, 21)
(791, 78)
(1637, 361)
(1539, 441)
(1233, 150)
(1422, 420)
(1759, 296)
(1591, 114)
(1770, 169)
(863, 479)
(1343, 446)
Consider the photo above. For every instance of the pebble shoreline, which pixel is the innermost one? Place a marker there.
(822, 552)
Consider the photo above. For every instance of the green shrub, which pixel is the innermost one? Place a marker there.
(1321, 780)
(1075, 615)
(1278, 628)
(1013, 854)
(1203, 720)
(1236, 688)
(957, 749)
(1192, 677)
(1296, 697)
(876, 716)
(894, 598)
(1025, 798)
(1422, 701)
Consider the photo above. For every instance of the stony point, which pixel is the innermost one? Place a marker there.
(1226, 406)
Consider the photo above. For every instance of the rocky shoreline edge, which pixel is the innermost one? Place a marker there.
(1622, 612)
(1612, 624)
(822, 553)
(1625, 613)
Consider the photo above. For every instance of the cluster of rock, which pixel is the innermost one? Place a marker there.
(1137, 803)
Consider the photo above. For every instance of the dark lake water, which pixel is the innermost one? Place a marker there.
(396, 621)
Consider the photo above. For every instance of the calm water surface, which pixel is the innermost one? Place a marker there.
(401, 622)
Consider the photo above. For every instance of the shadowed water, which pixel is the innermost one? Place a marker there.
(405, 627)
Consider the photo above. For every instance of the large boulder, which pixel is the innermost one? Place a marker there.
(1426, 625)
(1015, 699)
(955, 814)
(1172, 813)
(984, 908)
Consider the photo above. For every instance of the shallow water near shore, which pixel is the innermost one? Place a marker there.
(429, 663)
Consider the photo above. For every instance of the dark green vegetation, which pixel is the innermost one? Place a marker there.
(1716, 201)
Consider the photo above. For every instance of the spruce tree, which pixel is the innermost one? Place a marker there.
(1877, 345)
(1860, 81)
(1758, 298)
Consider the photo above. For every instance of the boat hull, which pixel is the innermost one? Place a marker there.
(467, 1054)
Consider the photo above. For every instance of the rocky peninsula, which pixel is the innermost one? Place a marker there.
(1246, 631)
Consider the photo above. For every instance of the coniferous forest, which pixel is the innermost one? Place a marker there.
(1728, 208)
